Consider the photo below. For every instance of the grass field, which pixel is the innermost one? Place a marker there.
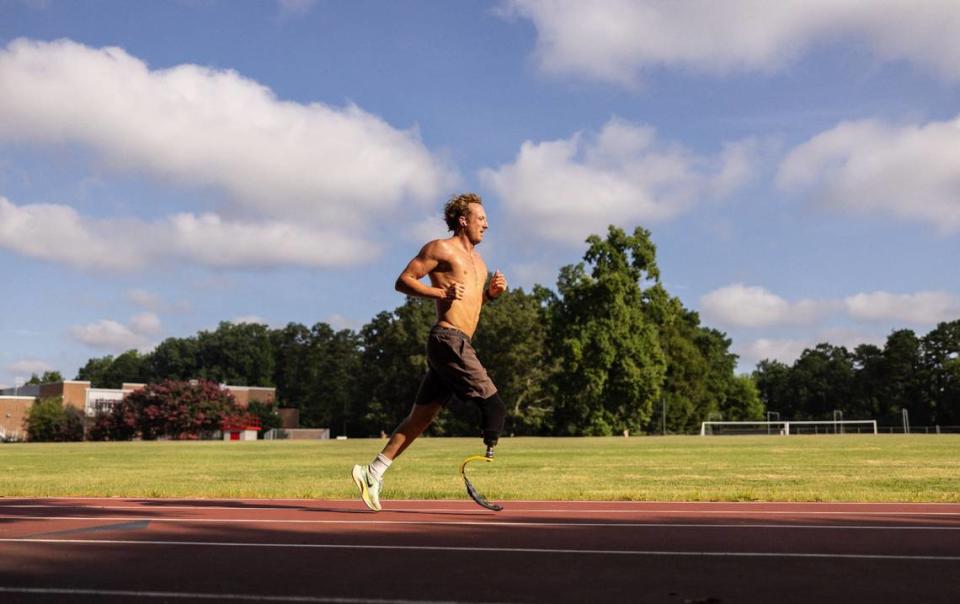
(892, 468)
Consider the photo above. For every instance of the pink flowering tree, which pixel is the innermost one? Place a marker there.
(172, 409)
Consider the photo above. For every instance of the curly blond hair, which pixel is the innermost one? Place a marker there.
(457, 206)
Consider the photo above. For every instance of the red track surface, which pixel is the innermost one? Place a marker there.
(153, 550)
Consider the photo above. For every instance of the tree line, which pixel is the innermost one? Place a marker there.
(919, 374)
(610, 350)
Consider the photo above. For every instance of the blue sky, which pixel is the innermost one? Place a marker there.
(168, 165)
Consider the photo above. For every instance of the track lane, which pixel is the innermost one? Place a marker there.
(434, 550)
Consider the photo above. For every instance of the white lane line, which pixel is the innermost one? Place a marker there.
(696, 512)
(494, 550)
(181, 595)
(267, 521)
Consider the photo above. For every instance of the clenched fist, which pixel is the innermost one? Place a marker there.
(498, 285)
(454, 291)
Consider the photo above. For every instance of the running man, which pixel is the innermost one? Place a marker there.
(457, 276)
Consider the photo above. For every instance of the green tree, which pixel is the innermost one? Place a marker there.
(48, 377)
(611, 365)
(821, 381)
(511, 341)
(721, 379)
(174, 359)
(743, 402)
(131, 366)
(948, 403)
(940, 402)
(95, 370)
(316, 372)
(773, 383)
(393, 361)
(110, 372)
(700, 367)
(334, 358)
(902, 385)
(237, 354)
(295, 368)
(48, 420)
(267, 414)
(868, 383)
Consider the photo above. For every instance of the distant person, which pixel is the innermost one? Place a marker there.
(457, 276)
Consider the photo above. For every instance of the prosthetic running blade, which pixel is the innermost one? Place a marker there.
(472, 490)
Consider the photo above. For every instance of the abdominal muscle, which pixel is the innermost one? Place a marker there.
(461, 314)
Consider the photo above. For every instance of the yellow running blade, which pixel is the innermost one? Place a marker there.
(463, 466)
(472, 490)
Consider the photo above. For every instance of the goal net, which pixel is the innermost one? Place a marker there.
(849, 426)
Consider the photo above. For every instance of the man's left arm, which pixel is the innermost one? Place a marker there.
(498, 285)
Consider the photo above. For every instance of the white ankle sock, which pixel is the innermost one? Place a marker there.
(379, 465)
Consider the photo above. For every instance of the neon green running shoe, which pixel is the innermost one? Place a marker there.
(369, 487)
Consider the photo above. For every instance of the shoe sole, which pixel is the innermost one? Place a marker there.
(364, 490)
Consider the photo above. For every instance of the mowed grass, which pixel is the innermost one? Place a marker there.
(892, 468)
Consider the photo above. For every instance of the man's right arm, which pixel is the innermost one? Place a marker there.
(409, 282)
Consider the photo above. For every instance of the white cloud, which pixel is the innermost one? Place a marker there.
(616, 40)
(57, 233)
(312, 163)
(564, 190)
(429, 228)
(740, 305)
(752, 306)
(145, 323)
(146, 299)
(788, 350)
(108, 335)
(925, 308)
(783, 350)
(28, 367)
(116, 337)
(909, 171)
(736, 166)
(214, 242)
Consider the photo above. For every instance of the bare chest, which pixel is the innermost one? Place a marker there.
(468, 269)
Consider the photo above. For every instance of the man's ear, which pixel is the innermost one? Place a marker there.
(463, 221)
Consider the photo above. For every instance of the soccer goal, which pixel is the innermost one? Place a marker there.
(847, 426)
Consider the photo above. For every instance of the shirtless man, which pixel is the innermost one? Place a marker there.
(457, 276)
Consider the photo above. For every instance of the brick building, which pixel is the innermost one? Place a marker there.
(13, 412)
(15, 403)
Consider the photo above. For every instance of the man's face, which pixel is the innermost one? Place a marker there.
(476, 223)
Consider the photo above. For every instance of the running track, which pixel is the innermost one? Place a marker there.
(162, 550)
